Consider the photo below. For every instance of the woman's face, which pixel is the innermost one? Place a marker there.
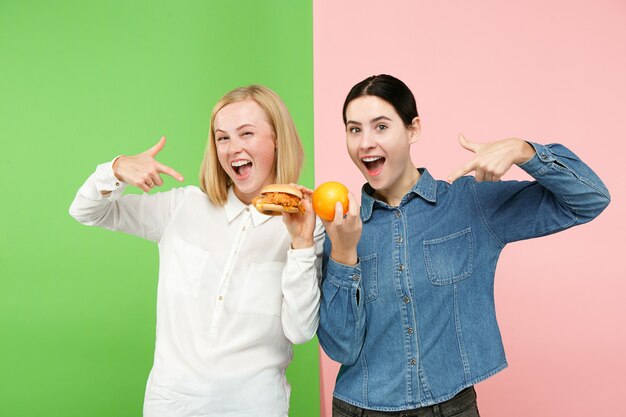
(378, 142)
(246, 144)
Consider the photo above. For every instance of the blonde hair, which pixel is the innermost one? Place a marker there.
(288, 162)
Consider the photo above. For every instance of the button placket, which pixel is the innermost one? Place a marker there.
(225, 279)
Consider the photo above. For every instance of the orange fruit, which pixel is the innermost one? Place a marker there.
(326, 195)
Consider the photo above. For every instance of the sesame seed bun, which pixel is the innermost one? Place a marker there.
(281, 188)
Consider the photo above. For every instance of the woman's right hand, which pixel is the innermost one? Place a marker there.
(345, 232)
(142, 170)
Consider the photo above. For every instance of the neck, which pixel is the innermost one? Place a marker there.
(393, 195)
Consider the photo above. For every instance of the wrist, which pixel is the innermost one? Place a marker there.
(348, 257)
(526, 152)
(114, 166)
(301, 243)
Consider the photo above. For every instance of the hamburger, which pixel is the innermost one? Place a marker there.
(276, 199)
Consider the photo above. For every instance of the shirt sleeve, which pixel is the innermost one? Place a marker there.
(99, 202)
(301, 290)
(342, 315)
(565, 193)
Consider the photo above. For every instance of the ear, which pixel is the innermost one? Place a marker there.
(415, 128)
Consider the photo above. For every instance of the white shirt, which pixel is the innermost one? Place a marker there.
(232, 297)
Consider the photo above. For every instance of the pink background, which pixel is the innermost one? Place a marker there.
(547, 71)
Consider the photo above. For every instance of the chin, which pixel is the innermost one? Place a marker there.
(376, 183)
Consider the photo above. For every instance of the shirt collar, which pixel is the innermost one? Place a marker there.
(234, 207)
(425, 187)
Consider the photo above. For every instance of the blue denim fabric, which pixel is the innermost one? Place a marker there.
(413, 323)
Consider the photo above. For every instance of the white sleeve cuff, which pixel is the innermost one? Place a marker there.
(107, 184)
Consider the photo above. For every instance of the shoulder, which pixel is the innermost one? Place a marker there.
(461, 185)
(188, 195)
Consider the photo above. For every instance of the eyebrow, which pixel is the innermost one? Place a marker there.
(239, 128)
(374, 120)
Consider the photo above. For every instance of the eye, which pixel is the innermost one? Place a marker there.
(354, 130)
(246, 134)
(221, 138)
(381, 127)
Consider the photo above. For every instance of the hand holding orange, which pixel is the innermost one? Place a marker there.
(326, 196)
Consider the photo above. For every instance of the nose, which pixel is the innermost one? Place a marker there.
(367, 140)
(236, 146)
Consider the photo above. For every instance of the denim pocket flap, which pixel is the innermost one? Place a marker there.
(449, 259)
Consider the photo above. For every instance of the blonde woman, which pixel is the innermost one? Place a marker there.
(236, 287)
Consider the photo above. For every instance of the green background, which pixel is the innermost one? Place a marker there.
(81, 82)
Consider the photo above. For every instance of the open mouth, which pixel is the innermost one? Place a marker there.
(241, 167)
(373, 164)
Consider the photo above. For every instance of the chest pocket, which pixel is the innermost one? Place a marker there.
(263, 292)
(369, 277)
(187, 266)
(449, 259)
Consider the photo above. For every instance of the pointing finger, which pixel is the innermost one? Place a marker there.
(461, 171)
(169, 171)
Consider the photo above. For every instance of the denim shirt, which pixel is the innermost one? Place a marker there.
(414, 323)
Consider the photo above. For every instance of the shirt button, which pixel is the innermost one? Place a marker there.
(406, 299)
(220, 298)
(399, 239)
(398, 214)
(355, 277)
(401, 267)
(247, 208)
(117, 184)
(409, 330)
(413, 361)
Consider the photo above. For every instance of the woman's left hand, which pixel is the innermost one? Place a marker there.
(301, 225)
(493, 159)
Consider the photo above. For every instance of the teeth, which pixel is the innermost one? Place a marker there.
(239, 163)
(371, 158)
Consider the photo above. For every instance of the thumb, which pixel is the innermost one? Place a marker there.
(156, 148)
(470, 146)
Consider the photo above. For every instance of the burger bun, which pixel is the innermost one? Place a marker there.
(281, 188)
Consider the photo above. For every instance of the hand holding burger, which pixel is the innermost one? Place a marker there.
(293, 202)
